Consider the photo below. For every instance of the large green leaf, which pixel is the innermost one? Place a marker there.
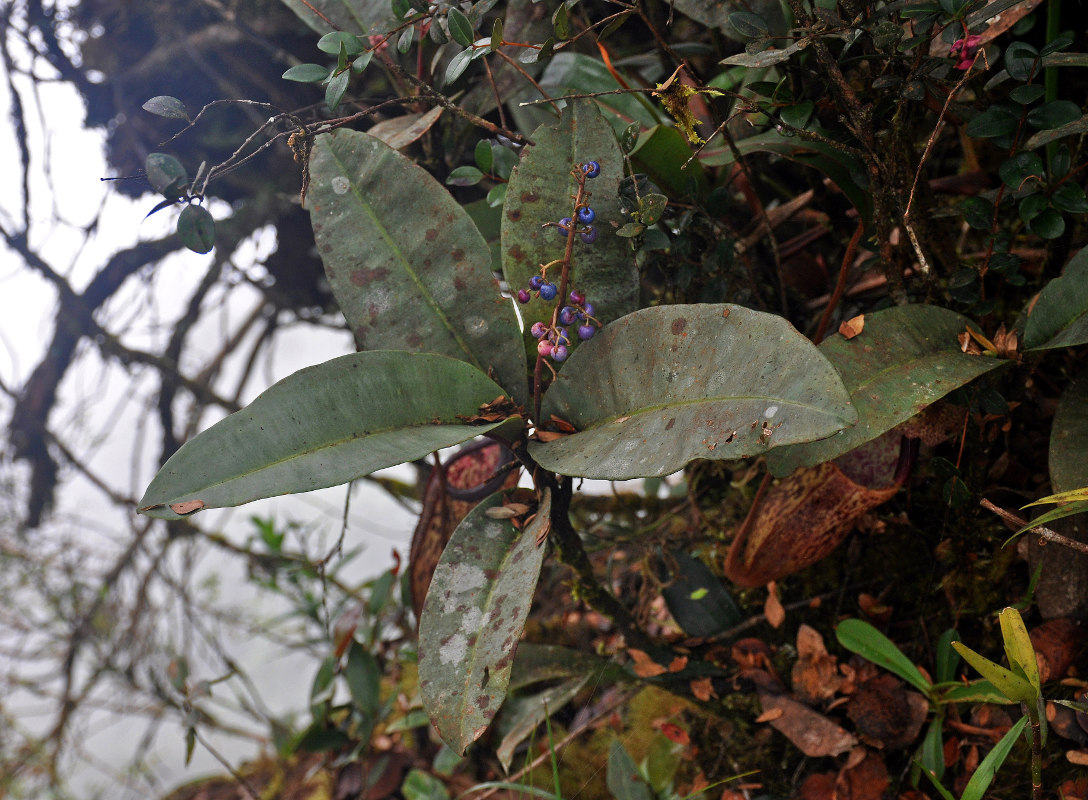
(540, 191)
(1059, 317)
(842, 168)
(1069, 438)
(662, 153)
(322, 426)
(473, 619)
(669, 384)
(353, 16)
(905, 359)
(406, 263)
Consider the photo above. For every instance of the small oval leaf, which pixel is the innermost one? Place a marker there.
(196, 228)
(1059, 318)
(460, 27)
(166, 175)
(473, 619)
(166, 106)
(306, 73)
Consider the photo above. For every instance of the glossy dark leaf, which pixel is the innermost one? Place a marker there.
(1054, 114)
(460, 27)
(322, 426)
(331, 43)
(697, 599)
(334, 91)
(306, 73)
(457, 66)
(473, 619)
(363, 676)
(907, 358)
(1048, 224)
(464, 176)
(669, 384)
(748, 25)
(196, 229)
(1021, 168)
(406, 263)
(1059, 318)
(993, 122)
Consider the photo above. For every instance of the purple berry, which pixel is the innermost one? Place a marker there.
(564, 227)
(535, 283)
(560, 353)
(544, 347)
(567, 316)
(589, 236)
(586, 332)
(589, 309)
(538, 329)
(586, 215)
(548, 291)
(562, 337)
(591, 169)
(524, 296)
(576, 297)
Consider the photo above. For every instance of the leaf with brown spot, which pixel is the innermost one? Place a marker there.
(372, 208)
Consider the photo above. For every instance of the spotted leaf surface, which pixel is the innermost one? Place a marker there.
(669, 384)
(541, 190)
(322, 426)
(905, 359)
(473, 618)
(405, 262)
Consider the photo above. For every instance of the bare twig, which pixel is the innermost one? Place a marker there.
(1042, 532)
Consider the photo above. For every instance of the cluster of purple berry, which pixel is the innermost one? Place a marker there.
(584, 213)
(546, 290)
(554, 340)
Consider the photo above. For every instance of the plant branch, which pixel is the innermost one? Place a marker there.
(1046, 534)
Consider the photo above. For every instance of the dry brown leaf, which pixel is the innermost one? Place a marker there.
(678, 663)
(548, 436)
(866, 780)
(769, 716)
(703, 689)
(645, 667)
(812, 733)
(1078, 757)
(852, 327)
(884, 711)
(815, 676)
(773, 609)
(820, 786)
(188, 507)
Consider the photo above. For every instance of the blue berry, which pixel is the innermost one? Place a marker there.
(535, 282)
(562, 337)
(564, 227)
(523, 296)
(538, 329)
(567, 316)
(548, 291)
(585, 332)
(591, 169)
(544, 347)
(559, 353)
(588, 309)
(589, 236)
(586, 215)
